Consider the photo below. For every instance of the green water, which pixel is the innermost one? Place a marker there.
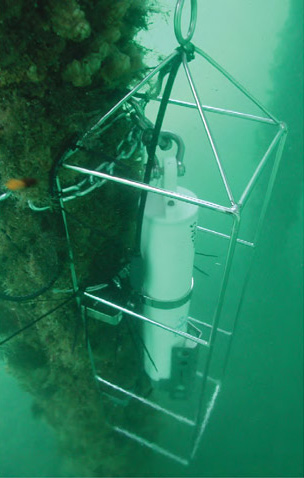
(256, 428)
(257, 425)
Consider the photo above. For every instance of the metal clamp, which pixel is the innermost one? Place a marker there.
(168, 304)
(178, 22)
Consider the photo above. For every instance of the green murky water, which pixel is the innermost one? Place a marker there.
(256, 428)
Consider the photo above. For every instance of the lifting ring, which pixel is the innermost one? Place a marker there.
(178, 20)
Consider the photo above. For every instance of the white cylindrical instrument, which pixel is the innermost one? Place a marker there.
(167, 247)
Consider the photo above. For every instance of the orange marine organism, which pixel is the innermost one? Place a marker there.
(17, 184)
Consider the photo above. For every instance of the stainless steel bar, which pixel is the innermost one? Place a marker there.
(225, 332)
(110, 125)
(207, 129)
(146, 319)
(248, 189)
(69, 245)
(206, 418)
(235, 83)
(271, 182)
(146, 187)
(221, 111)
(156, 448)
(88, 343)
(217, 315)
(258, 230)
(131, 93)
(211, 379)
(209, 326)
(226, 236)
(149, 403)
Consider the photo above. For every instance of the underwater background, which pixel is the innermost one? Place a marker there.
(256, 428)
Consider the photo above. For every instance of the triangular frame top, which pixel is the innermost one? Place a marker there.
(267, 118)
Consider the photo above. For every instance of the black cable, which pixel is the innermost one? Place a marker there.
(7, 339)
(37, 292)
(32, 295)
(134, 333)
(137, 267)
(175, 64)
(206, 255)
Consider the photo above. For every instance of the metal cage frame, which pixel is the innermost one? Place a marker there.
(208, 387)
(235, 211)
